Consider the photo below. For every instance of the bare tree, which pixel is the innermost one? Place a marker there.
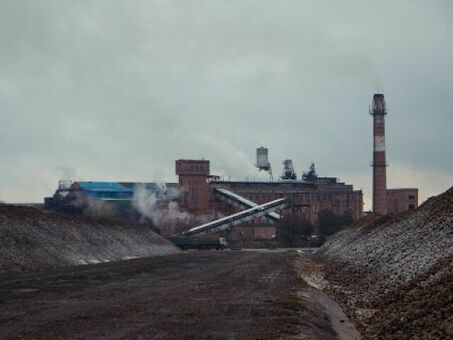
(293, 230)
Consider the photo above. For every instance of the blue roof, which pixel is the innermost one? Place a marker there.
(104, 186)
(112, 190)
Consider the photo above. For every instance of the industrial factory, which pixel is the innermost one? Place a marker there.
(201, 201)
(202, 196)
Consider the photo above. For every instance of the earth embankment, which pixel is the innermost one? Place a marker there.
(31, 240)
(394, 274)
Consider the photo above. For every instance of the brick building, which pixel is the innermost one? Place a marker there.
(195, 191)
(307, 197)
(197, 194)
(399, 200)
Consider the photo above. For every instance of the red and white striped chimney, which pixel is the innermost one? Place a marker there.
(378, 111)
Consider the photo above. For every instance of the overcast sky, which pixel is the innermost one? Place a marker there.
(117, 90)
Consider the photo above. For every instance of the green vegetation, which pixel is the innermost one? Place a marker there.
(330, 223)
(293, 231)
(296, 231)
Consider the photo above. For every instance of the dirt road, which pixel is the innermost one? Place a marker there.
(199, 295)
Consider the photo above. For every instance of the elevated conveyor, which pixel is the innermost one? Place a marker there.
(240, 217)
(241, 202)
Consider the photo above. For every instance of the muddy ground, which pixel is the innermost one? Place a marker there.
(197, 295)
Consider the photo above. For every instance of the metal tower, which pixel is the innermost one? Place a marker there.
(288, 171)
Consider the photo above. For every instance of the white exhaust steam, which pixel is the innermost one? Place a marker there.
(149, 205)
(145, 202)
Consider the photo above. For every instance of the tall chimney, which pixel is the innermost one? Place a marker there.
(378, 111)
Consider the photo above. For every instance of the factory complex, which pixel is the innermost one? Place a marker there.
(200, 198)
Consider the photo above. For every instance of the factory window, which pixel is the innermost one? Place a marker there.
(411, 197)
(411, 206)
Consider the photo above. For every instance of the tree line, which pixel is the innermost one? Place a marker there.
(294, 230)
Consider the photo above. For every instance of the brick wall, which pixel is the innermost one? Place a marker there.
(195, 192)
(399, 200)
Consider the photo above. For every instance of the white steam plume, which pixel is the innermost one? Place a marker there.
(145, 202)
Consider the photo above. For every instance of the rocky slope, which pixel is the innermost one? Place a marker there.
(394, 274)
(33, 240)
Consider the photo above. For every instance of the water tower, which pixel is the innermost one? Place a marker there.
(262, 160)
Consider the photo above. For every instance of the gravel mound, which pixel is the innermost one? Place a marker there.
(402, 247)
(394, 274)
(33, 240)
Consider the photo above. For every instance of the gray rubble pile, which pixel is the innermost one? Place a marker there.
(393, 275)
(399, 248)
(33, 240)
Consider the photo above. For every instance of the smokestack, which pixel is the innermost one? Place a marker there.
(378, 111)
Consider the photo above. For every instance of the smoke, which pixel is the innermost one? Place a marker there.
(66, 172)
(101, 209)
(173, 216)
(145, 203)
(159, 206)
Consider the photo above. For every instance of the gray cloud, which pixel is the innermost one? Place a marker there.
(118, 90)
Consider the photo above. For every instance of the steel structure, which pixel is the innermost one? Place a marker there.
(288, 171)
(240, 217)
(241, 202)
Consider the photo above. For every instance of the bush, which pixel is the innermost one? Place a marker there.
(293, 230)
(330, 223)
